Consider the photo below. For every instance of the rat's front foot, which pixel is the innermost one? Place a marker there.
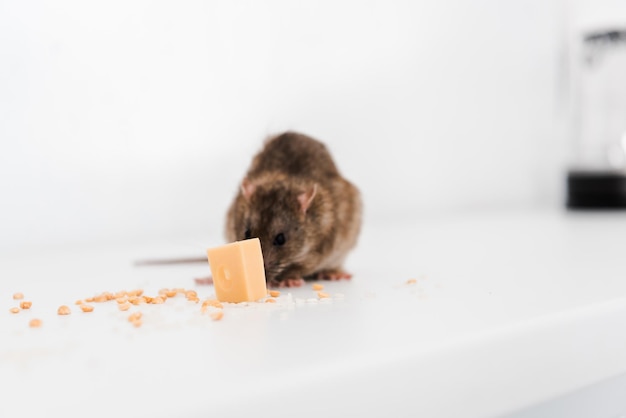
(333, 275)
(287, 282)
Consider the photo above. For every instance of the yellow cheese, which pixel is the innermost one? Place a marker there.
(238, 272)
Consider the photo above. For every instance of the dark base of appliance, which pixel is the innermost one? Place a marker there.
(589, 190)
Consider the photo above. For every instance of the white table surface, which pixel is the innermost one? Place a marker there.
(510, 309)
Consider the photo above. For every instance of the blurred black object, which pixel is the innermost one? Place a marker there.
(596, 190)
(597, 179)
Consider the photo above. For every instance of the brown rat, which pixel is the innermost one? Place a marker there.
(306, 215)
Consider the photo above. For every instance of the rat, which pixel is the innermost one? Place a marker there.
(306, 215)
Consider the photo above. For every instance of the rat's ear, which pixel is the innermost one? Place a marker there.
(247, 188)
(306, 198)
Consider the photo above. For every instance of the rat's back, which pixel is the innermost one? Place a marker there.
(296, 155)
(294, 191)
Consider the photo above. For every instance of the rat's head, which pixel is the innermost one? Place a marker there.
(277, 213)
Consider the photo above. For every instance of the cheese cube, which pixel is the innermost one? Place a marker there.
(238, 272)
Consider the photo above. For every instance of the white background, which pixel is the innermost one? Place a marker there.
(137, 119)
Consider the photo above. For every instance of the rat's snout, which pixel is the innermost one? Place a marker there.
(272, 269)
(267, 265)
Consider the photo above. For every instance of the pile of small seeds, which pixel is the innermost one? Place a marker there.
(24, 305)
(126, 299)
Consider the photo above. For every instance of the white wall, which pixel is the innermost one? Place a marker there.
(134, 119)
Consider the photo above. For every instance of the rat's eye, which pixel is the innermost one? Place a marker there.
(248, 234)
(279, 239)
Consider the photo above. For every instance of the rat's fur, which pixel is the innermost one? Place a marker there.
(293, 187)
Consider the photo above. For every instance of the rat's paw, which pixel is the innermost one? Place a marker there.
(333, 275)
(288, 282)
(204, 280)
(273, 283)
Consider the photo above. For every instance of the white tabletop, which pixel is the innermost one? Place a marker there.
(509, 309)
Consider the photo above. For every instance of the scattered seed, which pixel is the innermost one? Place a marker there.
(63, 310)
(78, 302)
(26, 304)
(322, 295)
(193, 299)
(317, 286)
(157, 301)
(137, 323)
(14, 310)
(217, 315)
(135, 316)
(18, 296)
(411, 281)
(270, 300)
(34, 323)
(171, 293)
(274, 293)
(191, 293)
(86, 308)
(136, 292)
(124, 306)
(212, 302)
